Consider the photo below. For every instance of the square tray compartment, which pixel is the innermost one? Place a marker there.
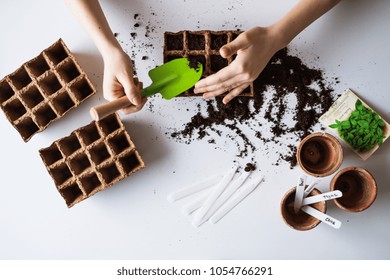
(109, 124)
(44, 115)
(51, 155)
(89, 134)
(49, 84)
(119, 143)
(14, 109)
(37, 66)
(31, 96)
(82, 89)
(99, 153)
(61, 173)
(69, 145)
(57, 52)
(90, 183)
(20, 78)
(110, 173)
(62, 102)
(79, 164)
(6, 91)
(174, 42)
(71, 194)
(68, 70)
(130, 162)
(27, 128)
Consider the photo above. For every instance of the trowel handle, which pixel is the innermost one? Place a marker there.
(101, 111)
(104, 110)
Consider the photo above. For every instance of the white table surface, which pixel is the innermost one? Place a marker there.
(133, 219)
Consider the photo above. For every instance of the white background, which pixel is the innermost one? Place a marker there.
(133, 220)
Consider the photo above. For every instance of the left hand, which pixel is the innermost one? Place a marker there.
(254, 49)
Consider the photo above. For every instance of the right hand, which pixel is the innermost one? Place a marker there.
(118, 81)
(254, 49)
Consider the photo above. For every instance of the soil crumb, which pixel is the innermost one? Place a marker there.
(250, 167)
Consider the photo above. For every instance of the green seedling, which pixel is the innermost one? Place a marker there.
(362, 129)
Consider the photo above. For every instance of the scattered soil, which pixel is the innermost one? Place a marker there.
(250, 167)
(285, 75)
(139, 42)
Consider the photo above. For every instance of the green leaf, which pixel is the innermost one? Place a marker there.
(355, 114)
(363, 124)
(345, 124)
(379, 132)
(358, 105)
(335, 125)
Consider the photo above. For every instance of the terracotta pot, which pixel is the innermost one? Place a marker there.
(300, 220)
(319, 154)
(358, 187)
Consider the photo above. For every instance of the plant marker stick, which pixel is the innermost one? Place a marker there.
(322, 197)
(236, 199)
(310, 187)
(213, 196)
(196, 204)
(322, 217)
(230, 190)
(299, 193)
(194, 188)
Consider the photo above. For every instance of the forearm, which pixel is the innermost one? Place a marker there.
(300, 17)
(92, 18)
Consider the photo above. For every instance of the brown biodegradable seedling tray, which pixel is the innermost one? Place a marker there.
(43, 90)
(92, 158)
(201, 46)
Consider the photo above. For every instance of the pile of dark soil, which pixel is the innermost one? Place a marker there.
(285, 75)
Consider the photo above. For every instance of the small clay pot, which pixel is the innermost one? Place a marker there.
(300, 220)
(358, 187)
(319, 154)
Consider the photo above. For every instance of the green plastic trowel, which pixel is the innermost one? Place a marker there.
(169, 79)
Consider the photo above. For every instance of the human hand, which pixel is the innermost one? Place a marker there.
(254, 49)
(118, 81)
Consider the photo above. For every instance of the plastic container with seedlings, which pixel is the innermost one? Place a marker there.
(353, 121)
